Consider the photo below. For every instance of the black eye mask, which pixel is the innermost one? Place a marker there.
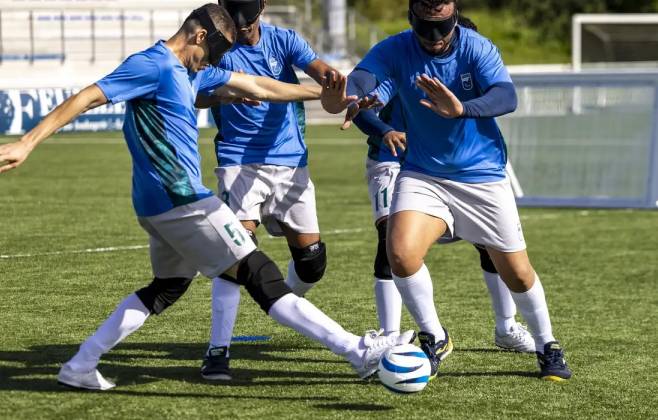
(432, 30)
(244, 12)
(217, 42)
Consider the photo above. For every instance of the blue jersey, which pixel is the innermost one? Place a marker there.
(161, 126)
(271, 133)
(462, 149)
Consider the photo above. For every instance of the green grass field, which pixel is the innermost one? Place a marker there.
(598, 268)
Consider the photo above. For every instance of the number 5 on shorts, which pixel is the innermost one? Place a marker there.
(235, 234)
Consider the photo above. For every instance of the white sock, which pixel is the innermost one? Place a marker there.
(293, 281)
(501, 302)
(417, 294)
(127, 318)
(389, 305)
(225, 302)
(533, 308)
(303, 317)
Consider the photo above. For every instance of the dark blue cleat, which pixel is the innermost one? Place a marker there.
(435, 351)
(215, 365)
(552, 365)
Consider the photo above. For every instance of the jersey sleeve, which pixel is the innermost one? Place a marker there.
(137, 76)
(489, 67)
(380, 60)
(386, 91)
(299, 51)
(213, 78)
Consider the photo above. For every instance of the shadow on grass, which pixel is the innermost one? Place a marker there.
(354, 407)
(34, 369)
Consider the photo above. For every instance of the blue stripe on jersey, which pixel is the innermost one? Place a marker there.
(162, 155)
(161, 126)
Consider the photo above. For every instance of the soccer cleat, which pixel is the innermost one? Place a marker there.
(215, 365)
(552, 365)
(376, 344)
(517, 339)
(435, 351)
(83, 380)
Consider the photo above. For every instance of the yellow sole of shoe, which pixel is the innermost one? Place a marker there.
(552, 378)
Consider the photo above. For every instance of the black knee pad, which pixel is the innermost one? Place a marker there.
(162, 293)
(262, 279)
(382, 267)
(485, 260)
(310, 262)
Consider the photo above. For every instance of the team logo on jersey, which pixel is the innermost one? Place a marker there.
(467, 81)
(275, 66)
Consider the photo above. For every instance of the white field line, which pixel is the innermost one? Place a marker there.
(77, 251)
(140, 247)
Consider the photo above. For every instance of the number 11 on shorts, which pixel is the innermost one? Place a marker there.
(384, 201)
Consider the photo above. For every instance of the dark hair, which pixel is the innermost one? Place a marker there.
(427, 8)
(467, 23)
(220, 18)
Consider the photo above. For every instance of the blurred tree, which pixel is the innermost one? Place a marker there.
(553, 17)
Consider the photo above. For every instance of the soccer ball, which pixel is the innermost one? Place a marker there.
(404, 369)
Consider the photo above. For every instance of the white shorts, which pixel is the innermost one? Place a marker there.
(271, 195)
(204, 236)
(381, 178)
(483, 214)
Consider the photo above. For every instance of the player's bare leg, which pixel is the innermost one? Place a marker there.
(410, 235)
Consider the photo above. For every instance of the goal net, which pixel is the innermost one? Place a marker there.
(597, 148)
(615, 41)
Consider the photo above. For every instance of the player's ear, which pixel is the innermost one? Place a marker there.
(200, 36)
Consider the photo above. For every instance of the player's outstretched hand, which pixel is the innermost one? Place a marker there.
(334, 93)
(395, 140)
(440, 99)
(367, 102)
(13, 155)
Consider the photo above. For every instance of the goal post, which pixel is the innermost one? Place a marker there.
(614, 41)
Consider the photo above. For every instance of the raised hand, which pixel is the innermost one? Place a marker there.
(440, 99)
(395, 140)
(334, 93)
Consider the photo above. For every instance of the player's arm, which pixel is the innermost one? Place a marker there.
(209, 101)
(265, 89)
(318, 70)
(499, 99)
(14, 154)
(492, 78)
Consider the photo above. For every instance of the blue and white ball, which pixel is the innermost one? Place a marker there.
(404, 369)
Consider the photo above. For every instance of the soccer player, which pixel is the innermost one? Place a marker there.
(189, 228)
(262, 166)
(452, 83)
(385, 136)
